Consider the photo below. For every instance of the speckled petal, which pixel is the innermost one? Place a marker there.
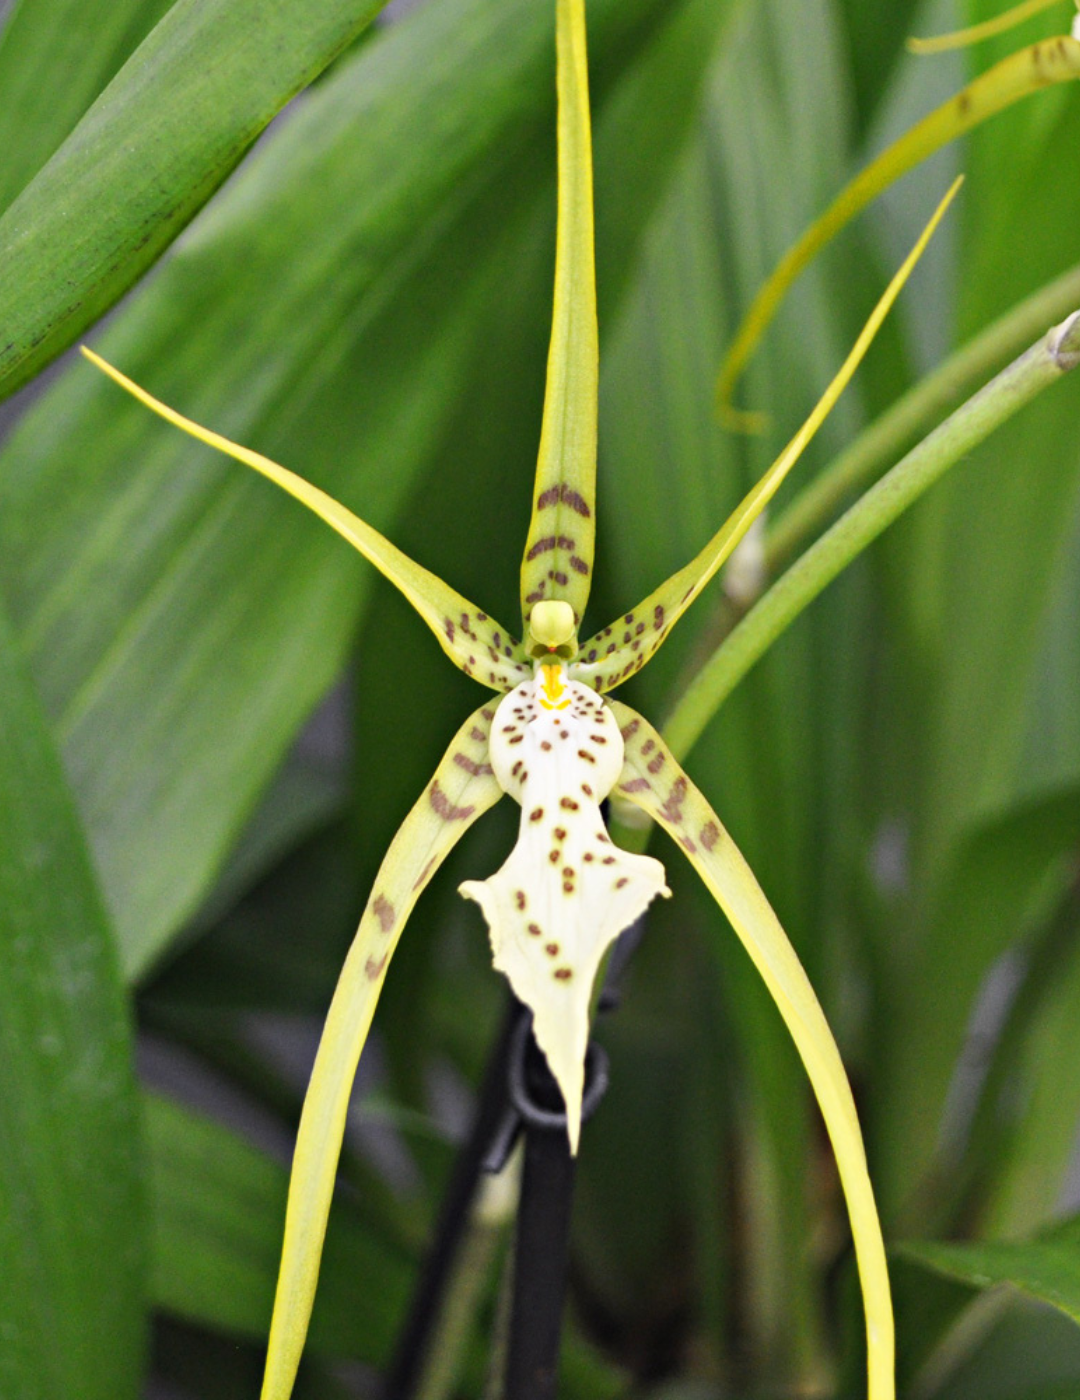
(566, 891)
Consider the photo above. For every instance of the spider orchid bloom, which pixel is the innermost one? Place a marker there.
(557, 747)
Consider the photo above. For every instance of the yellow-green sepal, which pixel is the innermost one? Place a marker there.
(471, 639)
(616, 653)
(653, 780)
(462, 789)
(1051, 61)
(559, 548)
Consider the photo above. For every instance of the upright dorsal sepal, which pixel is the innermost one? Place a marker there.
(558, 559)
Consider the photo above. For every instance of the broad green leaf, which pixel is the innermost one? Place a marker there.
(462, 789)
(618, 652)
(475, 644)
(559, 549)
(216, 1205)
(55, 57)
(653, 781)
(71, 1211)
(1046, 1268)
(146, 157)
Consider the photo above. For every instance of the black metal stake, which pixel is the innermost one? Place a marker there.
(411, 1354)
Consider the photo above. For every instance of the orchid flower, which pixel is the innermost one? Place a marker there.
(558, 748)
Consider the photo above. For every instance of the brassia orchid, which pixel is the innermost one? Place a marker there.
(558, 748)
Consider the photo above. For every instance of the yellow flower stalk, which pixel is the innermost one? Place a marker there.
(558, 748)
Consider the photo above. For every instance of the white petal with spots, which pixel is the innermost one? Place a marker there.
(565, 892)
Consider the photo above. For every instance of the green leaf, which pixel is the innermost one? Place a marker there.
(147, 156)
(217, 1206)
(1046, 1268)
(71, 1239)
(55, 57)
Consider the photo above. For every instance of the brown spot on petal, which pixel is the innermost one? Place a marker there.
(551, 949)
(631, 729)
(384, 912)
(374, 967)
(553, 856)
(559, 833)
(636, 785)
(564, 973)
(655, 764)
(445, 808)
(477, 735)
(569, 805)
(586, 755)
(623, 880)
(534, 929)
(536, 814)
(478, 770)
(578, 565)
(709, 835)
(519, 900)
(541, 547)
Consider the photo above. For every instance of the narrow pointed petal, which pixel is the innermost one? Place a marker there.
(976, 33)
(612, 656)
(1015, 77)
(559, 549)
(462, 789)
(652, 779)
(566, 891)
(472, 640)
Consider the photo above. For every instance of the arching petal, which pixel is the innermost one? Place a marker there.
(615, 654)
(463, 787)
(475, 643)
(1019, 75)
(653, 780)
(566, 891)
(559, 548)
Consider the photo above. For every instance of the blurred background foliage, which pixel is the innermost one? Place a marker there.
(213, 717)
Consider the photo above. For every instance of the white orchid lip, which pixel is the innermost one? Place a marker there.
(565, 892)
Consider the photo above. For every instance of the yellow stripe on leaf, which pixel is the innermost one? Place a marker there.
(1051, 61)
(654, 782)
(560, 544)
(462, 789)
(611, 657)
(472, 640)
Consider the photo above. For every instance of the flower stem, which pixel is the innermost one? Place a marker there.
(1051, 357)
